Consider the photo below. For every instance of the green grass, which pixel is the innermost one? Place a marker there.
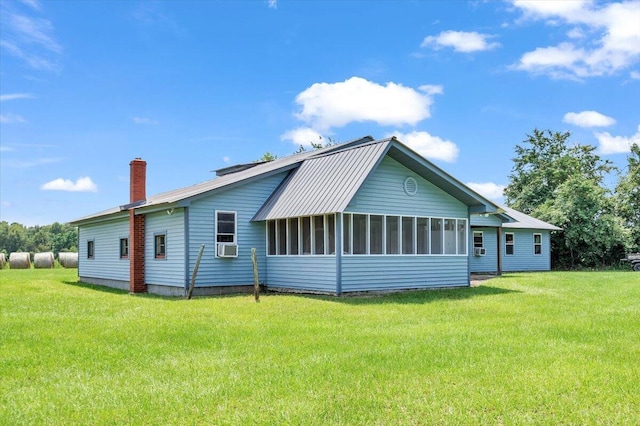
(540, 348)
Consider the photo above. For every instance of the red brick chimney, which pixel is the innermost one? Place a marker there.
(138, 180)
(137, 192)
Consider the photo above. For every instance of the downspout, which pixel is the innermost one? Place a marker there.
(469, 246)
(499, 238)
(338, 254)
(186, 249)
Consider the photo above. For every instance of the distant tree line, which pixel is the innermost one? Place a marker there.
(56, 237)
(563, 184)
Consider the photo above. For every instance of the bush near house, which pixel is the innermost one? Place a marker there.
(535, 348)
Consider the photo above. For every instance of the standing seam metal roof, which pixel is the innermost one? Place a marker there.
(341, 174)
(524, 221)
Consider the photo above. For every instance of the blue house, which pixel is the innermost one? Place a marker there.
(510, 241)
(365, 215)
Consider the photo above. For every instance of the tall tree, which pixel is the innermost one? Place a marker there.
(627, 199)
(544, 162)
(562, 184)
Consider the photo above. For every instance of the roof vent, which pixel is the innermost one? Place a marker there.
(410, 186)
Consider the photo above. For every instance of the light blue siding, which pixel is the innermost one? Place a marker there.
(383, 193)
(106, 263)
(488, 262)
(245, 200)
(170, 270)
(489, 220)
(311, 273)
(369, 273)
(523, 258)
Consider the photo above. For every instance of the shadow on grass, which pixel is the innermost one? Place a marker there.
(414, 296)
(111, 290)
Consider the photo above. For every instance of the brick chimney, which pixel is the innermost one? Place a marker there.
(138, 180)
(137, 192)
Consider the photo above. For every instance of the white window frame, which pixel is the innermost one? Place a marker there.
(512, 244)
(537, 244)
(235, 227)
(481, 238)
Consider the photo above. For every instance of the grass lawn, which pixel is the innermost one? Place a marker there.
(536, 348)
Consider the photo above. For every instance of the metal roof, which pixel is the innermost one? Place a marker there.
(325, 184)
(201, 189)
(524, 221)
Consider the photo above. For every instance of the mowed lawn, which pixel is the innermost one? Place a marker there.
(536, 348)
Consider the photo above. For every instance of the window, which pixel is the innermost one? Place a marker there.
(318, 234)
(225, 227)
(407, 235)
(508, 243)
(281, 236)
(90, 249)
(306, 235)
(462, 236)
(271, 237)
(124, 248)
(537, 243)
(423, 235)
(436, 236)
(331, 234)
(159, 246)
(346, 227)
(376, 229)
(478, 239)
(393, 234)
(360, 232)
(293, 236)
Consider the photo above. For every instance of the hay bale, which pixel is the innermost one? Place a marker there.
(43, 260)
(20, 260)
(68, 260)
(3, 260)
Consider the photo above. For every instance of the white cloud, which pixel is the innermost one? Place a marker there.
(429, 146)
(5, 148)
(328, 105)
(11, 118)
(490, 190)
(617, 144)
(575, 33)
(460, 41)
(143, 120)
(588, 119)
(614, 45)
(226, 159)
(25, 164)
(634, 75)
(302, 136)
(273, 4)
(14, 96)
(83, 184)
(29, 38)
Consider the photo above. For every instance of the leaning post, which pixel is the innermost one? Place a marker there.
(256, 282)
(195, 271)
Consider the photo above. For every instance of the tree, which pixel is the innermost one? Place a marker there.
(563, 184)
(267, 156)
(627, 199)
(546, 163)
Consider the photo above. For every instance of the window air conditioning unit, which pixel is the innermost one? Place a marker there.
(227, 250)
(479, 251)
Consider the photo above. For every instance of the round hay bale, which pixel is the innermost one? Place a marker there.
(68, 259)
(43, 260)
(3, 260)
(20, 260)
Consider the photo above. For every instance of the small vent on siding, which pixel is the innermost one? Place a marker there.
(410, 186)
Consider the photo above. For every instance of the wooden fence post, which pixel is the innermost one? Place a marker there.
(256, 283)
(195, 272)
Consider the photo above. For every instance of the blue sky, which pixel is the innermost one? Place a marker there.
(86, 86)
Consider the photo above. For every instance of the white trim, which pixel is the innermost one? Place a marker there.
(513, 243)
(535, 244)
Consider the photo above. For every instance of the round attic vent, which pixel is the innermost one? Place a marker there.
(410, 186)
